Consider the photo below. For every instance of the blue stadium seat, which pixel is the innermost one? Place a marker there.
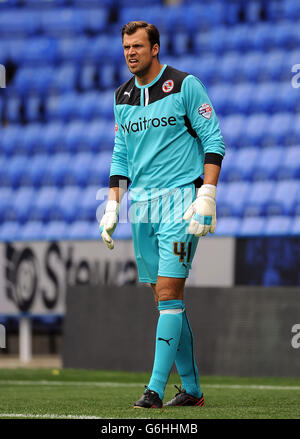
(291, 9)
(229, 66)
(243, 164)
(220, 96)
(13, 109)
(251, 66)
(296, 226)
(17, 167)
(252, 226)
(107, 75)
(76, 136)
(4, 174)
(43, 78)
(68, 203)
(32, 106)
(45, 204)
(235, 199)
(275, 66)
(259, 195)
(59, 172)
(241, 99)
(10, 138)
(65, 78)
(99, 172)
(62, 21)
(107, 101)
(62, 107)
(31, 138)
(7, 197)
(34, 173)
(253, 11)
(96, 137)
(81, 167)
(73, 48)
(265, 98)
(87, 77)
(285, 37)
(238, 39)
(21, 22)
(280, 129)
(296, 129)
(32, 231)
(95, 20)
(207, 71)
(55, 230)
(39, 50)
(180, 43)
(23, 202)
(287, 98)
(10, 231)
(89, 107)
(25, 80)
(284, 197)
(80, 230)
(123, 231)
(278, 225)
(290, 164)
(226, 164)
(233, 130)
(255, 129)
(228, 226)
(53, 137)
(262, 37)
(88, 206)
(269, 163)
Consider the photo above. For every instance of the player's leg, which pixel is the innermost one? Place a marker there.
(185, 363)
(177, 249)
(168, 332)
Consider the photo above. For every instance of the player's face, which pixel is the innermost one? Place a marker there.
(138, 52)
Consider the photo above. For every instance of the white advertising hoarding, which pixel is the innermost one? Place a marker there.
(35, 275)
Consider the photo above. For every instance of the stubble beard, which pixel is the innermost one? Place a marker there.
(143, 71)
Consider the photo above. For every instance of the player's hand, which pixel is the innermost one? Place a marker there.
(109, 222)
(202, 212)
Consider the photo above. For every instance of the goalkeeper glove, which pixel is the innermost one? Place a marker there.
(109, 222)
(202, 212)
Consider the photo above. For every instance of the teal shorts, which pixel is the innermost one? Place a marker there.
(162, 245)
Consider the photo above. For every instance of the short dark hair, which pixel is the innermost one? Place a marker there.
(152, 31)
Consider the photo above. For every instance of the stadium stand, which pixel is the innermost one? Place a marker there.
(64, 60)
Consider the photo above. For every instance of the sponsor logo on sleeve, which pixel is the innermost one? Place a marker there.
(205, 110)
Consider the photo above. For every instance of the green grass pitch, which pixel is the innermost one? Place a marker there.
(69, 393)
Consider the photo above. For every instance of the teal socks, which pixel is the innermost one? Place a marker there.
(168, 334)
(174, 343)
(185, 360)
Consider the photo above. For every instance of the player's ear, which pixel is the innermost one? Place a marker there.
(155, 49)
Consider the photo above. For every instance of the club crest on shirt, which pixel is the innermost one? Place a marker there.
(168, 86)
(205, 110)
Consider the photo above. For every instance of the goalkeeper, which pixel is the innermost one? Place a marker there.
(169, 148)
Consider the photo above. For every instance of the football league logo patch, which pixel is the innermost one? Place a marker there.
(168, 86)
(205, 110)
(116, 128)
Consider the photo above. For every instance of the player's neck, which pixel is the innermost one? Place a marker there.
(151, 74)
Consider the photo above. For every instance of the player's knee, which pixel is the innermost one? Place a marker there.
(168, 294)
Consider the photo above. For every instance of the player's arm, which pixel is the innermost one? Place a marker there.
(118, 184)
(202, 212)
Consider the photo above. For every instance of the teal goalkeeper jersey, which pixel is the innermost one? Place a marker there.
(163, 133)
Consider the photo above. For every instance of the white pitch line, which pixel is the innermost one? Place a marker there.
(117, 384)
(50, 416)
